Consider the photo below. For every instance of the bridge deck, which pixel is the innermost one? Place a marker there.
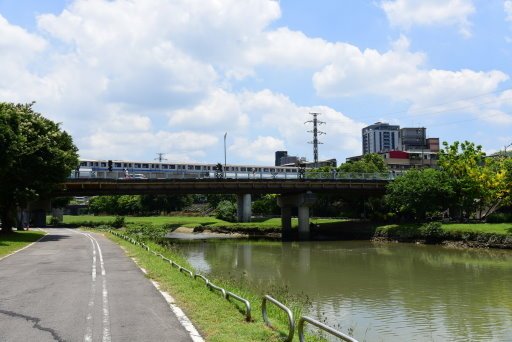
(90, 187)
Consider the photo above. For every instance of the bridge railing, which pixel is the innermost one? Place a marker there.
(241, 175)
(350, 175)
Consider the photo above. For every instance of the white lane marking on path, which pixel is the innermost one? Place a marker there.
(106, 315)
(182, 318)
(19, 250)
(89, 321)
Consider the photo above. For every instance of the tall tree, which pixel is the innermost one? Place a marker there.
(35, 155)
(479, 183)
(418, 193)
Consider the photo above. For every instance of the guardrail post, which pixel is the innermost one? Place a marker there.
(323, 327)
(291, 324)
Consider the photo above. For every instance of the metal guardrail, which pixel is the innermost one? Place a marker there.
(248, 315)
(211, 286)
(186, 271)
(291, 324)
(206, 281)
(243, 300)
(322, 326)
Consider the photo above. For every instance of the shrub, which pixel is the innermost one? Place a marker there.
(226, 211)
(432, 232)
(118, 222)
(55, 221)
(147, 231)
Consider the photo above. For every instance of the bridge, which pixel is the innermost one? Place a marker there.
(299, 193)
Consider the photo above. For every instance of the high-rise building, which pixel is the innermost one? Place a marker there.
(413, 138)
(380, 137)
(279, 155)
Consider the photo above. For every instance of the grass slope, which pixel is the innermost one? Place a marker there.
(17, 240)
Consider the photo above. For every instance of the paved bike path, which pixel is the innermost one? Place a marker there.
(80, 286)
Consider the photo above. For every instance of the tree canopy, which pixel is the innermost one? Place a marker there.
(35, 155)
(370, 163)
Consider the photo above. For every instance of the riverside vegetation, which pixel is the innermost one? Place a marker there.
(494, 235)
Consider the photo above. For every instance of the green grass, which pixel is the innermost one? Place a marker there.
(216, 318)
(17, 240)
(493, 228)
(268, 224)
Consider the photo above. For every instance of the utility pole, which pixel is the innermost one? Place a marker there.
(315, 132)
(160, 156)
(225, 135)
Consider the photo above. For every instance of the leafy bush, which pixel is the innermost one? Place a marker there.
(226, 211)
(54, 221)
(118, 222)
(147, 231)
(432, 232)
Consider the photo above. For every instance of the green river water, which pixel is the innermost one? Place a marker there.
(377, 291)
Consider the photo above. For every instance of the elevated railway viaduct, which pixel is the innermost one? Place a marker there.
(299, 193)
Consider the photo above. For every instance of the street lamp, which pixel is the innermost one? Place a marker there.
(225, 134)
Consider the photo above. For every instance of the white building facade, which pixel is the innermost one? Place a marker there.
(381, 137)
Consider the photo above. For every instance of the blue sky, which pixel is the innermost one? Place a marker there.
(130, 78)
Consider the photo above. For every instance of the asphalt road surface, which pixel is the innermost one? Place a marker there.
(79, 286)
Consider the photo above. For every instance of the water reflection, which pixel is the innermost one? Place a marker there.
(383, 292)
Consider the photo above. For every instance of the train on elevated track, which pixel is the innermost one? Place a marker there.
(124, 169)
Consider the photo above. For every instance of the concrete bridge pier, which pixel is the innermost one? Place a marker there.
(302, 201)
(243, 206)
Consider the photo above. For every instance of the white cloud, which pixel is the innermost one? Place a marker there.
(260, 150)
(401, 75)
(408, 13)
(131, 78)
(507, 6)
(220, 109)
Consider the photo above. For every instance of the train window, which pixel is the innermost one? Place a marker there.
(172, 167)
(208, 168)
(145, 166)
(95, 163)
(165, 167)
(190, 167)
(243, 169)
(265, 170)
(137, 165)
(294, 170)
(156, 166)
(197, 167)
(117, 164)
(83, 163)
(103, 164)
(272, 170)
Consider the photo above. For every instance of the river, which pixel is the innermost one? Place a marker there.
(377, 291)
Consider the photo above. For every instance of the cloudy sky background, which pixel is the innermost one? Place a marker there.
(130, 78)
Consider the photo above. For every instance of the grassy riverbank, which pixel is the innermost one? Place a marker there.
(263, 226)
(496, 235)
(17, 240)
(493, 235)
